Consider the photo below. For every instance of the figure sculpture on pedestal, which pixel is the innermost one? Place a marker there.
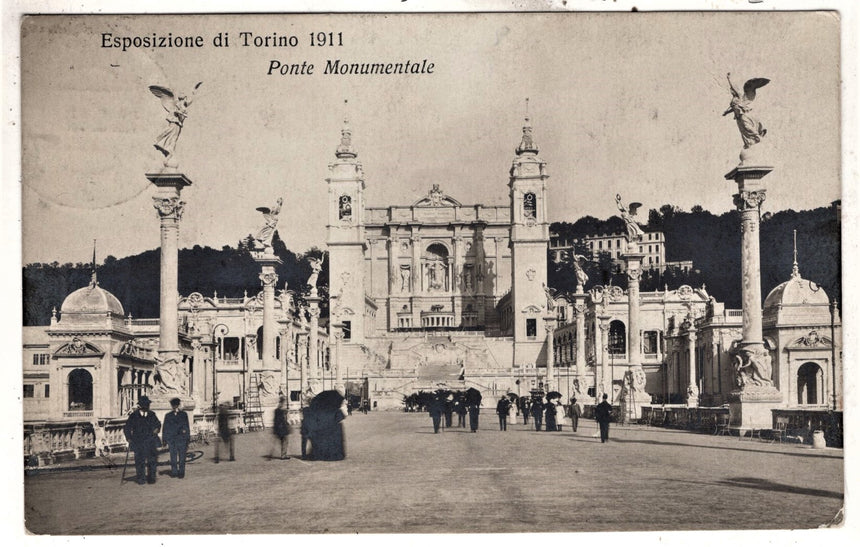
(753, 368)
(170, 377)
(751, 129)
(176, 106)
(634, 231)
(316, 266)
(263, 239)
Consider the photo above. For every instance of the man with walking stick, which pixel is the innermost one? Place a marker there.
(141, 431)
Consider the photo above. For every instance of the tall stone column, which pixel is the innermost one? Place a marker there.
(172, 376)
(415, 240)
(692, 388)
(314, 374)
(634, 395)
(600, 380)
(549, 326)
(170, 207)
(338, 371)
(304, 376)
(268, 279)
(197, 386)
(579, 310)
(750, 405)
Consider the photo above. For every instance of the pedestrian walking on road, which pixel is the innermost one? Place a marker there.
(550, 414)
(449, 409)
(225, 434)
(436, 409)
(525, 409)
(461, 410)
(176, 435)
(603, 413)
(282, 427)
(537, 413)
(574, 413)
(502, 409)
(141, 431)
(474, 411)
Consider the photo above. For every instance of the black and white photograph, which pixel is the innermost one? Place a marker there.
(565, 267)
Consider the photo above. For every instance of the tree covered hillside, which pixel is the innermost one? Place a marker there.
(713, 243)
(134, 280)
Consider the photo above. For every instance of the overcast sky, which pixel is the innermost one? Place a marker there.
(620, 103)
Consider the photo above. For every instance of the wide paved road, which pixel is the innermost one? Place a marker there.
(400, 477)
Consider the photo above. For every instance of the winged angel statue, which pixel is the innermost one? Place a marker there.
(634, 231)
(176, 106)
(263, 239)
(751, 129)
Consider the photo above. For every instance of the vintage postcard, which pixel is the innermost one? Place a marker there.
(417, 273)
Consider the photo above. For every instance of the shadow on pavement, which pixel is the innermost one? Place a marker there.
(740, 449)
(764, 484)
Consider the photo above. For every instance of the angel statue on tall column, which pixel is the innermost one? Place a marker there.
(263, 239)
(581, 276)
(751, 129)
(176, 106)
(634, 231)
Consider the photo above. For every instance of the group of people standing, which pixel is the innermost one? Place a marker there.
(142, 430)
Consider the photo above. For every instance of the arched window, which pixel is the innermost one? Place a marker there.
(810, 384)
(80, 390)
(529, 205)
(617, 338)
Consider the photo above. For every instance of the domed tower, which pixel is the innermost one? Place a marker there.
(804, 330)
(89, 330)
(529, 240)
(346, 240)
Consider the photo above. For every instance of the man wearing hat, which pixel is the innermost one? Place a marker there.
(177, 434)
(141, 431)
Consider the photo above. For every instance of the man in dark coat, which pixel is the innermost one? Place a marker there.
(502, 410)
(436, 409)
(141, 431)
(603, 413)
(449, 410)
(460, 409)
(537, 413)
(281, 427)
(177, 435)
(525, 408)
(474, 412)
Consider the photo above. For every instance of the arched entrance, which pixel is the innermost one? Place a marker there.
(80, 390)
(810, 384)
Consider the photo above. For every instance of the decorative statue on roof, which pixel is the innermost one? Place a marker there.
(751, 129)
(634, 231)
(176, 106)
(581, 276)
(263, 239)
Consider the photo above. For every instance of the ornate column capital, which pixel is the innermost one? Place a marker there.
(168, 208)
(268, 279)
(746, 200)
(634, 274)
(314, 312)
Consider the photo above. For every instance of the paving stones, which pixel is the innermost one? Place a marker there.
(400, 477)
